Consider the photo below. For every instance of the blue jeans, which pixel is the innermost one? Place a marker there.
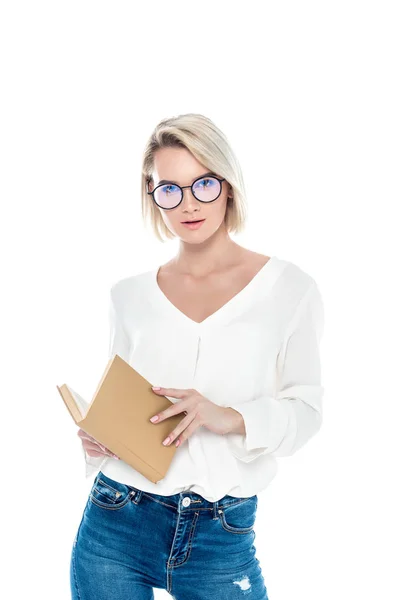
(130, 541)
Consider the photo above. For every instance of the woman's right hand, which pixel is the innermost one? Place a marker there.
(92, 447)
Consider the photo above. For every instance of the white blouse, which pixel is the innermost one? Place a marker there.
(259, 354)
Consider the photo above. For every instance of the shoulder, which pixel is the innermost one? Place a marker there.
(301, 286)
(294, 274)
(295, 280)
(132, 288)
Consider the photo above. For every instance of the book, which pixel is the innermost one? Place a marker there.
(118, 417)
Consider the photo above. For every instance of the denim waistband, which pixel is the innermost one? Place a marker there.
(185, 501)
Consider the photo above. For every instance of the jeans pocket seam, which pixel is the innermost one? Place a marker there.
(110, 487)
(231, 529)
(110, 506)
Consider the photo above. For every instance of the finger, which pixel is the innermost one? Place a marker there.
(173, 392)
(175, 409)
(92, 449)
(88, 438)
(93, 444)
(85, 436)
(179, 429)
(190, 429)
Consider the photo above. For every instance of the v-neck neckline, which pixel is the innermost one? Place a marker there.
(223, 311)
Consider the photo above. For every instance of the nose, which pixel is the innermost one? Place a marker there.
(188, 197)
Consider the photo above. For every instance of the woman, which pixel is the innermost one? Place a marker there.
(233, 337)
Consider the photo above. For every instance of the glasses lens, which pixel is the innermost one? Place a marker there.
(207, 189)
(168, 195)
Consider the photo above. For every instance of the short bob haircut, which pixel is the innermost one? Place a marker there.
(208, 144)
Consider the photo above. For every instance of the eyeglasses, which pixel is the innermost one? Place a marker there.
(170, 195)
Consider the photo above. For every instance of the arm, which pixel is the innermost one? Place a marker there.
(118, 344)
(282, 423)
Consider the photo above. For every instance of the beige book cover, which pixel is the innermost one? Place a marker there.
(119, 418)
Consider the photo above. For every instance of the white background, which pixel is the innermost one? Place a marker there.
(308, 95)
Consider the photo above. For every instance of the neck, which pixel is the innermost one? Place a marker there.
(212, 255)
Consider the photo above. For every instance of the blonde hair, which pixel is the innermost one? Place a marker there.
(209, 145)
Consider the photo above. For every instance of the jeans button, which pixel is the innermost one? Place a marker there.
(186, 501)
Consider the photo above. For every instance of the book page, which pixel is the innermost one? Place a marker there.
(82, 404)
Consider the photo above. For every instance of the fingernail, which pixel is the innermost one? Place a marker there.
(153, 387)
(116, 457)
(154, 419)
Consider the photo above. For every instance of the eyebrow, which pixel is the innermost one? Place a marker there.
(162, 181)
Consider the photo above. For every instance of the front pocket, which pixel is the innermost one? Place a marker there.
(240, 516)
(112, 497)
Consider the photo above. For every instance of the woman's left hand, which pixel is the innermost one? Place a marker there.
(200, 412)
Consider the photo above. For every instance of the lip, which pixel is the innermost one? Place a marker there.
(193, 225)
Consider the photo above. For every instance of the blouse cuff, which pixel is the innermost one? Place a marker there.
(267, 421)
(278, 425)
(93, 464)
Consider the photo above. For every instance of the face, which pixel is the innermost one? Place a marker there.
(179, 166)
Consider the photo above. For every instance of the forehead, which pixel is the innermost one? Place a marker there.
(177, 165)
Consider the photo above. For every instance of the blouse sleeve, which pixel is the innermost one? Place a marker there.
(118, 344)
(282, 423)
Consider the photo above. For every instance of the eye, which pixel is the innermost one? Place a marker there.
(169, 189)
(207, 182)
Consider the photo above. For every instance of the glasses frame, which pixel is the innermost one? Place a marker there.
(182, 187)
